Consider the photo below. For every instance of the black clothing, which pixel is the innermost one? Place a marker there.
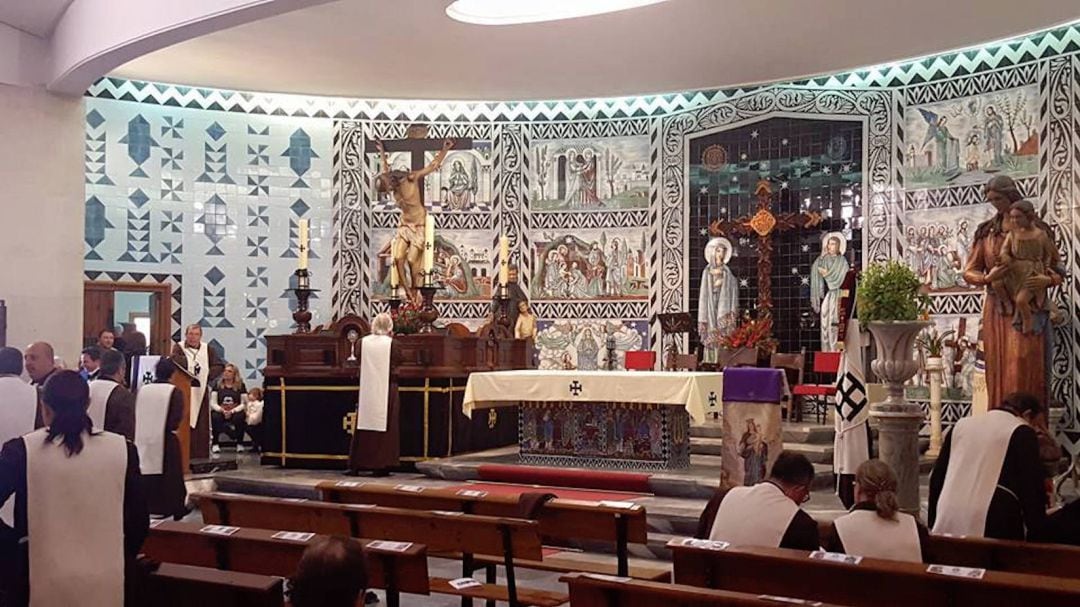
(120, 411)
(802, 532)
(165, 492)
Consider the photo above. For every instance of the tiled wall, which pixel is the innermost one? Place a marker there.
(910, 173)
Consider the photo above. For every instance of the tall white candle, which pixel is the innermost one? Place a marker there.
(504, 260)
(303, 244)
(429, 243)
(394, 280)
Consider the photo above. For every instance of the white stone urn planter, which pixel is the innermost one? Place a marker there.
(897, 420)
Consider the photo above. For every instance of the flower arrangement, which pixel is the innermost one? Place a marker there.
(751, 332)
(932, 343)
(406, 318)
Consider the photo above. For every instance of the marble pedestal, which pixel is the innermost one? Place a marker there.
(898, 446)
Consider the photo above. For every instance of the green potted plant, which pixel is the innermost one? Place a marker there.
(931, 343)
(891, 303)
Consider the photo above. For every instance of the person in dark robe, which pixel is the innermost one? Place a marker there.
(768, 513)
(112, 406)
(66, 514)
(40, 363)
(164, 487)
(988, 479)
(376, 440)
(204, 365)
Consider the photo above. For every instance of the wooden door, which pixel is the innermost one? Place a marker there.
(99, 307)
(97, 313)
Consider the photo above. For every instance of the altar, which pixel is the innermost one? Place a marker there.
(600, 419)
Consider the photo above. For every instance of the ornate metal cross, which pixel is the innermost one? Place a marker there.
(763, 223)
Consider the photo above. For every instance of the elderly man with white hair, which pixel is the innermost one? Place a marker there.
(375, 441)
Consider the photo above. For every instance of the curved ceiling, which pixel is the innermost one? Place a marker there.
(410, 49)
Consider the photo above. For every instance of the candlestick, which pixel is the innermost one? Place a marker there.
(303, 244)
(429, 244)
(394, 279)
(303, 291)
(504, 260)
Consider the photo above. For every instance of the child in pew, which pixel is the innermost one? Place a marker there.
(329, 574)
(874, 527)
(253, 410)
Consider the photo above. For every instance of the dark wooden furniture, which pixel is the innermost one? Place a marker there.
(451, 534)
(793, 366)
(871, 583)
(183, 585)
(820, 395)
(258, 551)
(311, 384)
(561, 521)
(588, 590)
(1055, 560)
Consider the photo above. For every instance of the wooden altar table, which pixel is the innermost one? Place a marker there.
(600, 419)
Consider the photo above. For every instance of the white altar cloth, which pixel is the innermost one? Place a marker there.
(694, 390)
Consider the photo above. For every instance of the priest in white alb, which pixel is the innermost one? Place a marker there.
(80, 515)
(202, 363)
(376, 437)
(988, 479)
(112, 406)
(160, 410)
(18, 408)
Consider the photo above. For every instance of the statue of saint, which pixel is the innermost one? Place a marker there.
(409, 244)
(1002, 344)
(1027, 251)
(718, 297)
(525, 327)
(829, 270)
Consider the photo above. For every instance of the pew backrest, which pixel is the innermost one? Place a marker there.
(175, 585)
(591, 590)
(1006, 555)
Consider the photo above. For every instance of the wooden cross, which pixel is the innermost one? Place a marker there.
(763, 223)
(416, 143)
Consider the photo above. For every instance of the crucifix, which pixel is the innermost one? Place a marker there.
(763, 223)
(416, 143)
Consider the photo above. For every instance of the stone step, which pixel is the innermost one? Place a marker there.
(793, 433)
(816, 453)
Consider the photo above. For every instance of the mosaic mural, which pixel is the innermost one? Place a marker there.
(590, 174)
(582, 344)
(590, 264)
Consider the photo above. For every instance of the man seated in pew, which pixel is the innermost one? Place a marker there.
(83, 519)
(376, 440)
(768, 513)
(988, 479)
(329, 574)
(159, 409)
(875, 527)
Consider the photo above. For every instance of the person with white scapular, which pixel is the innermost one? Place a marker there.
(112, 406)
(203, 364)
(988, 479)
(18, 409)
(376, 439)
(875, 527)
(159, 411)
(768, 513)
(79, 507)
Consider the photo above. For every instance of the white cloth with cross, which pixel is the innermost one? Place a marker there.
(698, 392)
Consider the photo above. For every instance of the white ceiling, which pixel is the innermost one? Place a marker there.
(37, 17)
(411, 49)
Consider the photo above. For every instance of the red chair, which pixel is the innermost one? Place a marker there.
(825, 363)
(640, 360)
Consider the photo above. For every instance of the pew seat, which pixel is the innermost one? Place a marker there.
(591, 590)
(175, 585)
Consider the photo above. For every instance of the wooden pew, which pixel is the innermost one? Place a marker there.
(1056, 560)
(183, 586)
(870, 583)
(560, 520)
(454, 533)
(258, 551)
(590, 590)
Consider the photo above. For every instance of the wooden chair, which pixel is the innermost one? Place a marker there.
(640, 360)
(453, 534)
(793, 366)
(870, 583)
(742, 357)
(825, 363)
(684, 362)
(590, 590)
(560, 520)
(182, 586)
(258, 551)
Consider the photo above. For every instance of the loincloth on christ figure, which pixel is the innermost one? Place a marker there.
(412, 234)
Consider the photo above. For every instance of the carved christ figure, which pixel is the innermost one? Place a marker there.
(405, 186)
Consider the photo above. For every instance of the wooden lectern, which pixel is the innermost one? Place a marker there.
(182, 379)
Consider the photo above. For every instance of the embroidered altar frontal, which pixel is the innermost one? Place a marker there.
(633, 436)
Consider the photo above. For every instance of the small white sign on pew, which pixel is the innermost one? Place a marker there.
(293, 536)
(694, 542)
(836, 557)
(390, 546)
(464, 582)
(219, 530)
(971, 573)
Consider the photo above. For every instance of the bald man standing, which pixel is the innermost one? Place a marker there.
(40, 363)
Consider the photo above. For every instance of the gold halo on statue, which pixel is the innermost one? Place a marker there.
(710, 249)
(839, 236)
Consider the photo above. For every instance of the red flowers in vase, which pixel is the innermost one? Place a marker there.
(751, 333)
(406, 318)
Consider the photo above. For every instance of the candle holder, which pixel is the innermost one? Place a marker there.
(612, 358)
(428, 312)
(501, 328)
(303, 291)
(394, 301)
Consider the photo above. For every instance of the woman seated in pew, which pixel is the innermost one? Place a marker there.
(79, 506)
(875, 527)
(329, 574)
